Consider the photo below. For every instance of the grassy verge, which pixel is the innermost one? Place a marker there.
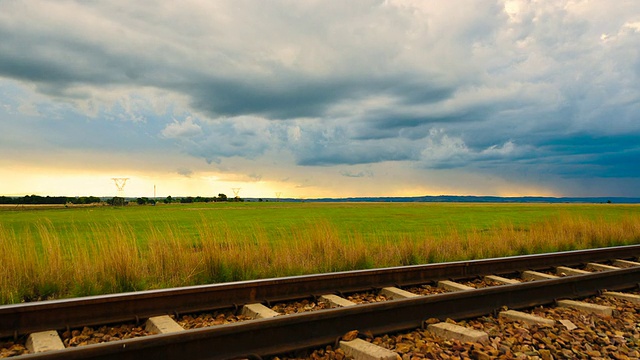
(62, 253)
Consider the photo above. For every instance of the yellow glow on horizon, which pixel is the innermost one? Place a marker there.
(21, 180)
(45, 182)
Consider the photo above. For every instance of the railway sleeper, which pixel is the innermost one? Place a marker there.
(363, 350)
(587, 307)
(333, 301)
(162, 325)
(258, 311)
(536, 275)
(568, 271)
(526, 318)
(453, 286)
(625, 263)
(43, 341)
(394, 293)
(600, 267)
(618, 295)
(452, 331)
(501, 280)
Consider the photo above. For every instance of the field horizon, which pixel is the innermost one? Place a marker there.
(418, 198)
(76, 251)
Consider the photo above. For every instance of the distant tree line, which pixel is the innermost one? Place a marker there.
(117, 201)
(201, 199)
(183, 200)
(48, 200)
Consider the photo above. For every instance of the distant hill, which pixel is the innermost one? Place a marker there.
(475, 199)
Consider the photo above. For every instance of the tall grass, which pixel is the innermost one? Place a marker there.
(36, 263)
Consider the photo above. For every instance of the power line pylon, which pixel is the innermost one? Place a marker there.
(120, 183)
(236, 191)
(278, 194)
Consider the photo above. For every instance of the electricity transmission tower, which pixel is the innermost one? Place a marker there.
(236, 191)
(120, 183)
(278, 194)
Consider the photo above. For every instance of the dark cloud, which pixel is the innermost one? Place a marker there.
(412, 91)
(269, 99)
(56, 63)
(359, 174)
(594, 156)
(185, 172)
(259, 83)
(390, 124)
(355, 153)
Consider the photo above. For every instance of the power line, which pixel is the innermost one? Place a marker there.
(120, 183)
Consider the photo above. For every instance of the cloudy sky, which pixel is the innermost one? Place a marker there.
(320, 98)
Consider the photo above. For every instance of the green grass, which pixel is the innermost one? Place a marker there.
(51, 253)
(368, 220)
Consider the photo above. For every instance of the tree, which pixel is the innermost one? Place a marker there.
(117, 201)
(92, 200)
(222, 197)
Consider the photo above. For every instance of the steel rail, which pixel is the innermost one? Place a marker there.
(96, 310)
(294, 332)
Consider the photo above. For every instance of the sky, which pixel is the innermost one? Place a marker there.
(320, 98)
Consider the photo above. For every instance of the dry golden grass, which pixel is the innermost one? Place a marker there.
(40, 265)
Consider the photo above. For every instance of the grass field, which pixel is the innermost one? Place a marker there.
(75, 251)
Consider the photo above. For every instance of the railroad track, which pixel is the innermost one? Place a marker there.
(282, 334)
